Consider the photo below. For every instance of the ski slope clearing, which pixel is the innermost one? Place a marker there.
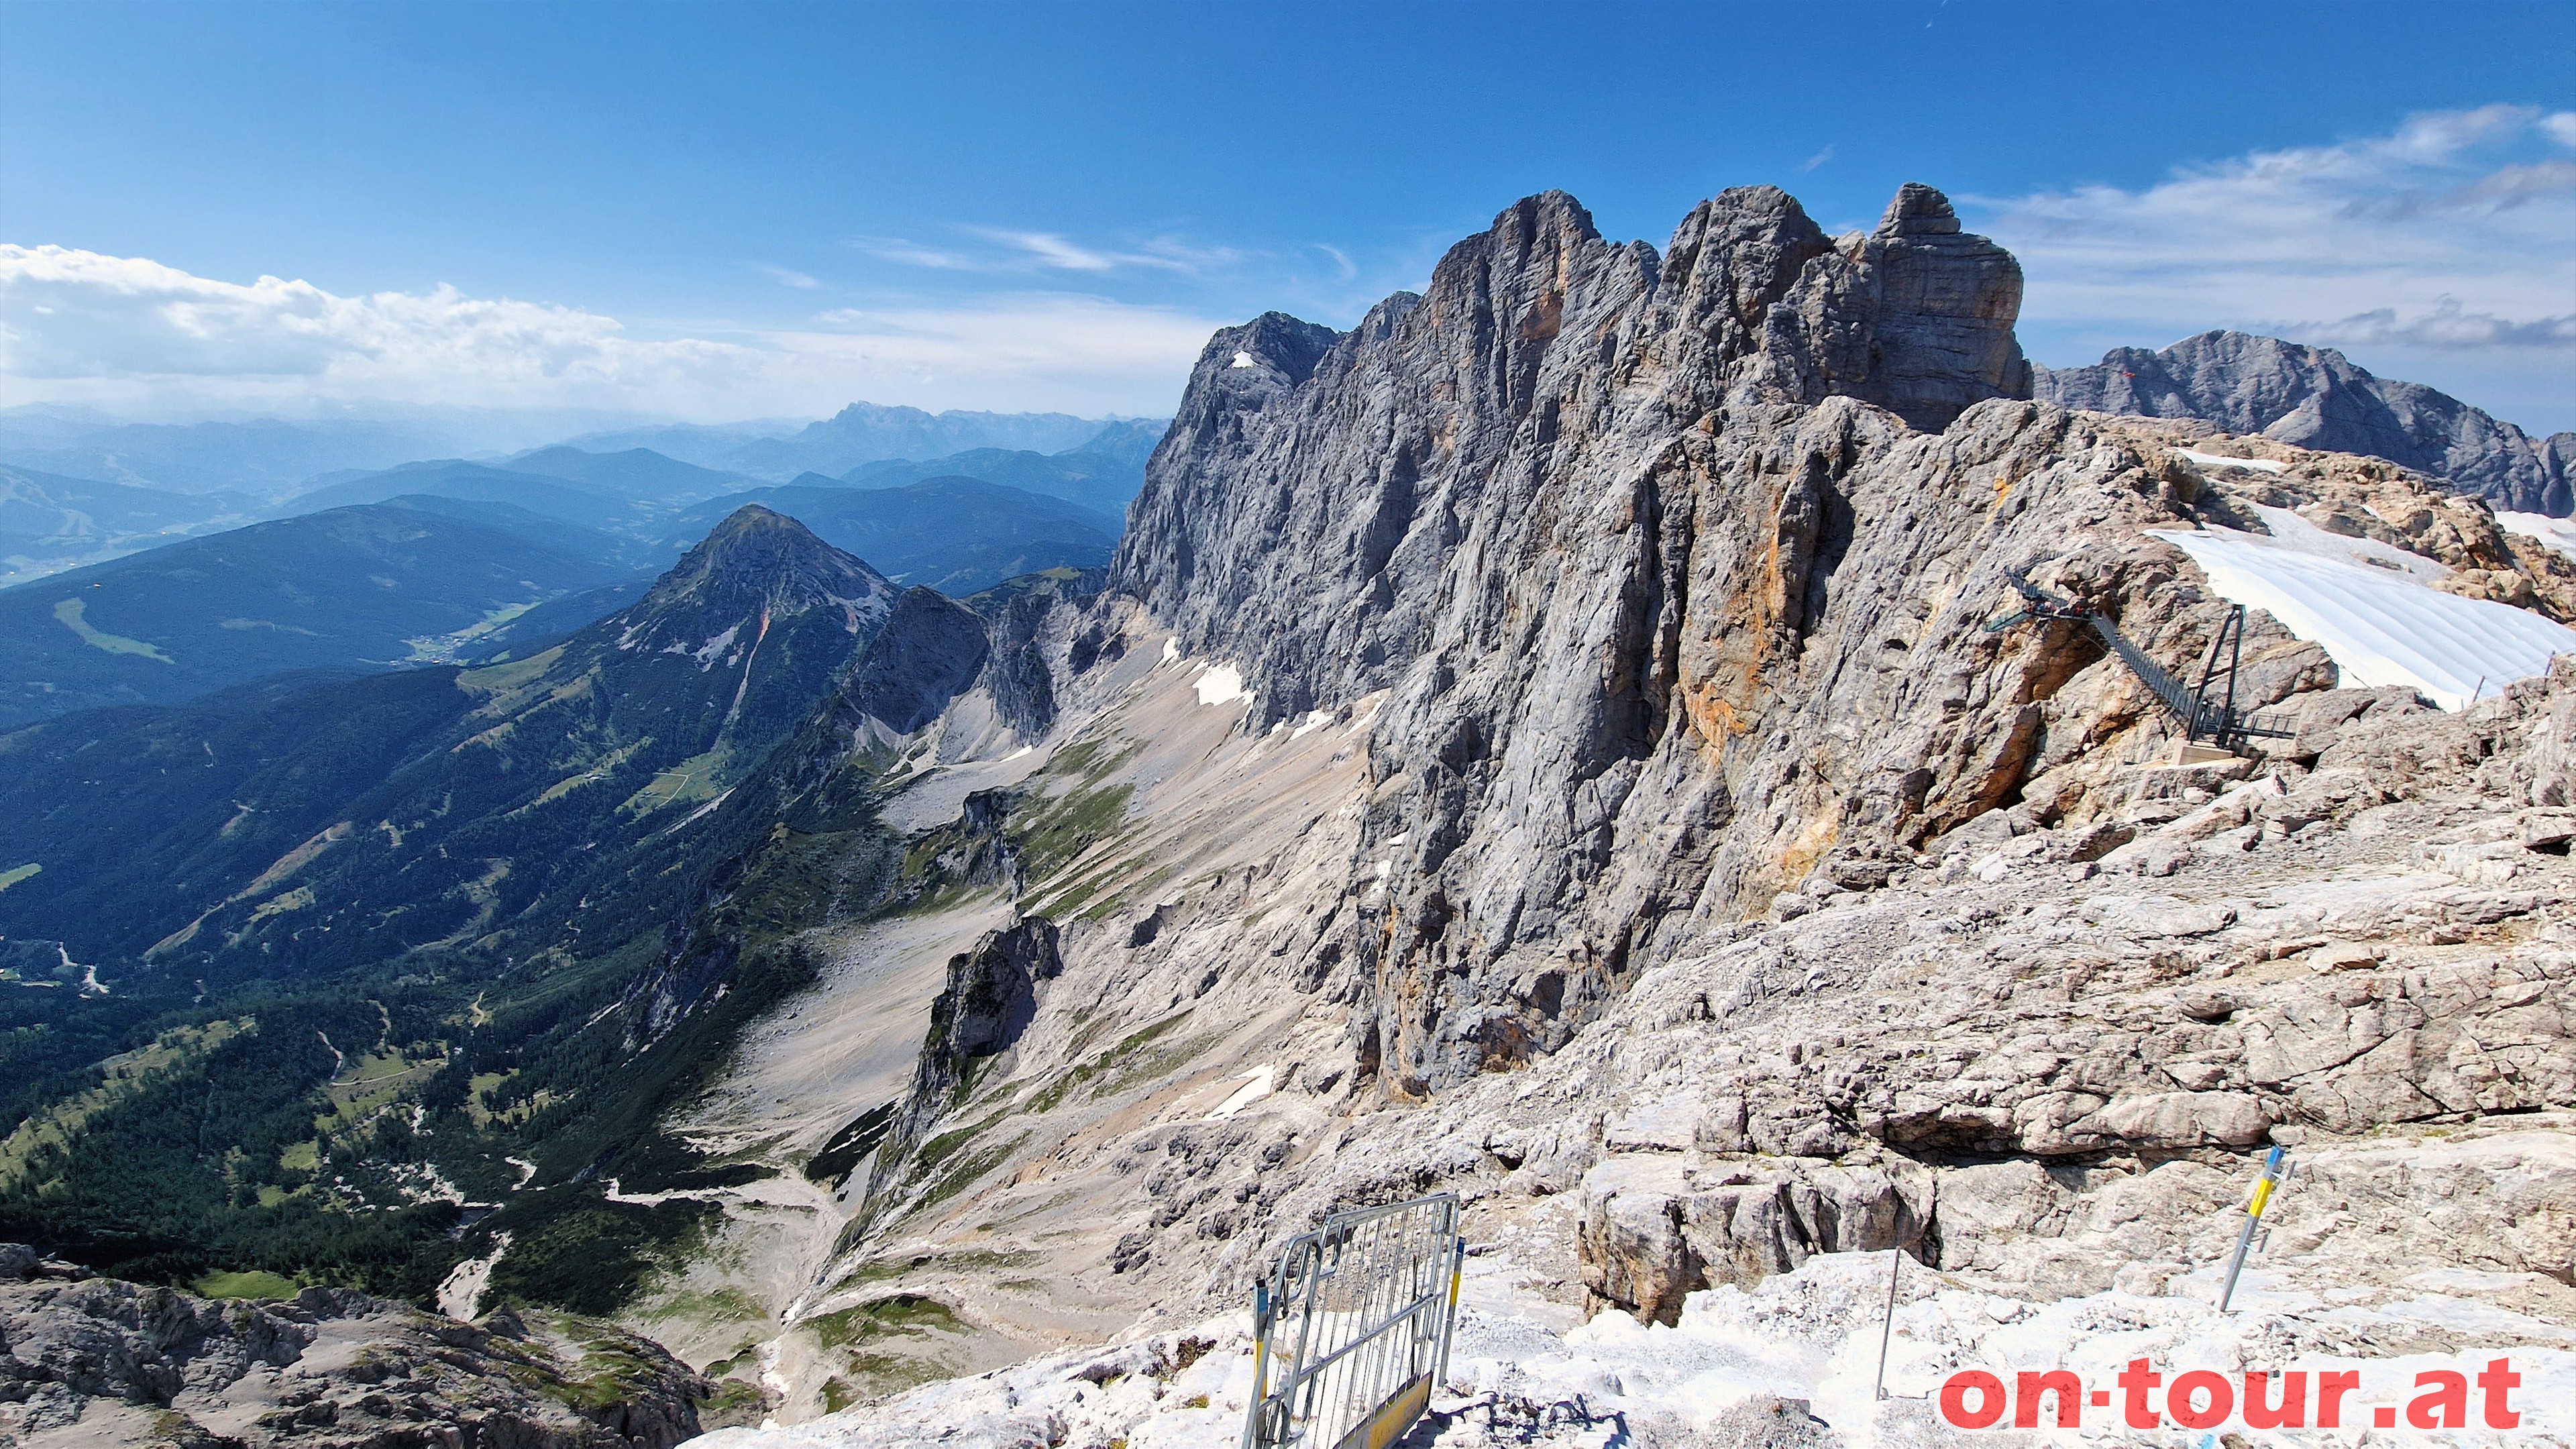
(2380, 623)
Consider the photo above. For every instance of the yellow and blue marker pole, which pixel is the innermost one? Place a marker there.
(1255, 1423)
(2262, 1198)
(1449, 1328)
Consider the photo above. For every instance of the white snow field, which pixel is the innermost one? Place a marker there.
(2558, 533)
(2381, 623)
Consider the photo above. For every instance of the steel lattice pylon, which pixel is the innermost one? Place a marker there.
(2207, 714)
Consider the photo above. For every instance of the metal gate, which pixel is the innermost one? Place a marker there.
(1353, 1329)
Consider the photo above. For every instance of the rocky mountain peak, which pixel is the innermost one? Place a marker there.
(1552, 221)
(753, 570)
(1265, 356)
(752, 521)
(1539, 350)
(1918, 321)
(1736, 255)
(2315, 397)
(1918, 210)
(759, 553)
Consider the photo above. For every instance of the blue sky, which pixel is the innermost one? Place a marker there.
(743, 210)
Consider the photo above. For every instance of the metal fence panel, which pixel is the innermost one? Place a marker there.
(1353, 1328)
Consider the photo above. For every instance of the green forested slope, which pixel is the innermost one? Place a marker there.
(302, 964)
(353, 587)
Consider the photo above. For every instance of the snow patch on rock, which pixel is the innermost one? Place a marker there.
(1221, 684)
(2220, 460)
(1257, 1084)
(462, 1289)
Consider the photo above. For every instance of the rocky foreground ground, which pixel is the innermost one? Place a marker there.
(2039, 1062)
(95, 1362)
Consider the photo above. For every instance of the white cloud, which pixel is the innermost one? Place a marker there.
(1010, 249)
(1819, 159)
(787, 277)
(2440, 247)
(1046, 249)
(913, 254)
(2448, 327)
(1033, 336)
(78, 325)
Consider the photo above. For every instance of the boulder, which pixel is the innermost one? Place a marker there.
(1655, 1229)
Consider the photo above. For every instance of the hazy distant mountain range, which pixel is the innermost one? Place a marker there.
(273, 457)
(262, 456)
(476, 483)
(134, 594)
(634, 472)
(49, 522)
(958, 524)
(958, 535)
(1102, 474)
(859, 433)
(78, 487)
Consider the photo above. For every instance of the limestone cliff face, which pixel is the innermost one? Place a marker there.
(2316, 398)
(1917, 318)
(1547, 743)
(1669, 610)
(1314, 487)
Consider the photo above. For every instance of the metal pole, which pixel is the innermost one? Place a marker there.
(2253, 1215)
(2236, 1263)
(1253, 1428)
(1449, 1326)
(2235, 653)
(1895, 1265)
(2208, 672)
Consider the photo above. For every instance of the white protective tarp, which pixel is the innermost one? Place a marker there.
(2381, 626)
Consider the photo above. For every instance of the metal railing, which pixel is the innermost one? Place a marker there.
(2208, 712)
(1353, 1329)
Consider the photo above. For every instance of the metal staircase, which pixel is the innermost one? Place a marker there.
(2208, 715)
